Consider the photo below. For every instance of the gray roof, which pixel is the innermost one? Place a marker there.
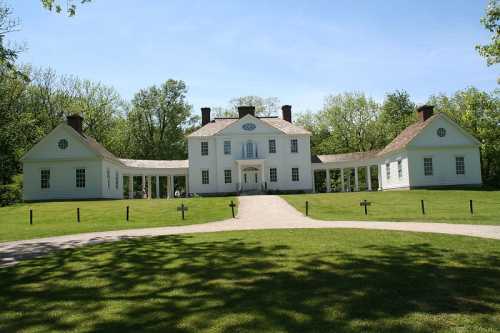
(155, 164)
(404, 138)
(218, 124)
(347, 157)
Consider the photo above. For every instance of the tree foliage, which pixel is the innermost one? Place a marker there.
(69, 7)
(491, 21)
(158, 121)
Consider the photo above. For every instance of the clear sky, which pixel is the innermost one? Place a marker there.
(298, 51)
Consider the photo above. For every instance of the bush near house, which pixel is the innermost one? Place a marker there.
(11, 193)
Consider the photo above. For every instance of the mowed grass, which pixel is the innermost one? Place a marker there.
(450, 206)
(60, 218)
(260, 281)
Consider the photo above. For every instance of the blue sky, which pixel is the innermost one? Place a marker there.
(298, 51)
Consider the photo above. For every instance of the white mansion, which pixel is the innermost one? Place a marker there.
(250, 154)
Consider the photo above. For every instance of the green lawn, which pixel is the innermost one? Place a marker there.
(450, 206)
(260, 281)
(59, 218)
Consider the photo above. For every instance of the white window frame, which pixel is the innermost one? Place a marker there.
(204, 148)
(431, 166)
(387, 170)
(463, 165)
(77, 183)
(48, 179)
(249, 153)
(272, 147)
(117, 180)
(400, 168)
(275, 178)
(294, 146)
(227, 147)
(228, 176)
(298, 174)
(203, 171)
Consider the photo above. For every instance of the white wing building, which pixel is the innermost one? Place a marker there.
(253, 155)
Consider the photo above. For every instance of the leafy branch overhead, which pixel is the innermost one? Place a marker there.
(491, 21)
(69, 8)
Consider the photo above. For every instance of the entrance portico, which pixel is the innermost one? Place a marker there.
(251, 175)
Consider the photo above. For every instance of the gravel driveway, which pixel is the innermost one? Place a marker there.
(254, 212)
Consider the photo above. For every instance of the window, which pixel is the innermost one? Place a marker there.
(294, 145)
(45, 178)
(460, 165)
(428, 166)
(204, 177)
(400, 169)
(272, 146)
(108, 176)
(273, 175)
(388, 170)
(228, 179)
(249, 149)
(117, 180)
(227, 147)
(80, 177)
(204, 148)
(295, 174)
(441, 132)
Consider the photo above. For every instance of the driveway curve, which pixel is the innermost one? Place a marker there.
(254, 213)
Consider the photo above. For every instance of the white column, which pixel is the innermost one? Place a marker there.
(379, 167)
(143, 186)
(313, 182)
(368, 178)
(328, 185)
(239, 179)
(130, 187)
(356, 180)
(149, 187)
(169, 181)
(342, 179)
(157, 187)
(172, 186)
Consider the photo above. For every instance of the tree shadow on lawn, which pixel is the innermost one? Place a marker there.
(180, 284)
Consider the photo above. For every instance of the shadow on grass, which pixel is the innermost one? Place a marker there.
(180, 284)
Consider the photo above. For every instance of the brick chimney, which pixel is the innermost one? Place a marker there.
(75, 121)
(244, 110)
(424, 112)
(287, 113)
(205, 116)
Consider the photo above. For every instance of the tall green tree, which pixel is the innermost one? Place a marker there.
(264, 106)
(158, 121)
(478, 112)
(68, 6)
(398, 112)
(351, 121)
(491, 21)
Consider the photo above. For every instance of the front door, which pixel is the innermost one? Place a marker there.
(251, 180)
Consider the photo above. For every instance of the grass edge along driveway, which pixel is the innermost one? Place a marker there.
(448, 206)
(60, 218)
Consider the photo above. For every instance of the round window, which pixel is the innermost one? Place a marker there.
(441, 132)
(248, 127)
(63, 144)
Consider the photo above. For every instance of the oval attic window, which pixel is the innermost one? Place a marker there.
(441, 132)
(63, 144)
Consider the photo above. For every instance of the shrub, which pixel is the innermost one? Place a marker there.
(11, 193)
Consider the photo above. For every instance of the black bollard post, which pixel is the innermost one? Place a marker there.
(182, 209)
(307, 208)
(78, 215)
(31, 216)
(471, 207)
(232, 207)
(127, 212)
(423, 206)
(366, 208)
